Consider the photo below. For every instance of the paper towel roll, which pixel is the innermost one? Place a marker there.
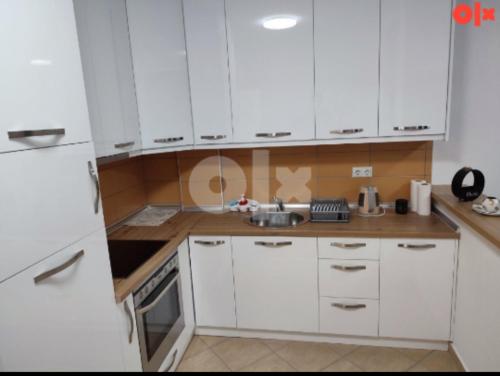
(424, 199)
(414, 194)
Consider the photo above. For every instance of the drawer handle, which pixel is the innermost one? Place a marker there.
(213, 138)
(59, 268)
(168, 140)
(131, 322)
(36, 133)
(124, 145)
(273, 245)
(414, 128)
(347, 131)
(210, 243)
(93, 175)
(418, 247)
(345, 268)
(348, 246)
(349, 307)
(274, 135)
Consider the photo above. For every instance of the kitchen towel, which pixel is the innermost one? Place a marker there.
(414, 194)
(424, 199)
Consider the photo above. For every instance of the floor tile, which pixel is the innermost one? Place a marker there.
(212, 340)
(378, 359)
(271, 363)
(238, 353)
(342, 365)
(195, 347)
(440, 361)
(418, 368)
(343, 350)
(275, 344)
(206, 361)
(415, 354)
(310, 357)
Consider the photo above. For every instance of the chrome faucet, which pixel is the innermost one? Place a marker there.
(279, 204)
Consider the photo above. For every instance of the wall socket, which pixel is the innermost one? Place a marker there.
(362, 172)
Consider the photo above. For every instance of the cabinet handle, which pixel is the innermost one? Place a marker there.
(174, 357)
(124, 145)
(349, 306)
(274, 135)
(347, 131)
(93, 175)
(210, 243)
(348, 246)
(37, 133)
(213, 138)
(413, 128)
(420, 247)
(273, 244)
(168, 140)
(348, 268)
(131, 321)
(60, 268)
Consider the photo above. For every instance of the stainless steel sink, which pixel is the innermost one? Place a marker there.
(277, 219)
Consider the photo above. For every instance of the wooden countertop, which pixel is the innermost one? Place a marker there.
(489, 227)
(176, 229)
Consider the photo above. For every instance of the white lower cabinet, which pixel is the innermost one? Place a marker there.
(68, 320)
(50, 199)
(130, 340)
(354, 317)
(276, 283)
(416, 288)
(349, 279)
(213, 285)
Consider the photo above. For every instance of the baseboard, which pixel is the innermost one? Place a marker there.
(458, 357)
(322, 338)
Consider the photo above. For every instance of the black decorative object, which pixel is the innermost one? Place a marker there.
(468, 193)
(402, 206)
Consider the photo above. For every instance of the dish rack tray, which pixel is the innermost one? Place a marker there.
(333, 210)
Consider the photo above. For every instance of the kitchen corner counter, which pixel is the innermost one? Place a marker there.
(488, 227)
(177, 229)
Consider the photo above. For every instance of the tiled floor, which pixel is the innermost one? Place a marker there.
(211, 354)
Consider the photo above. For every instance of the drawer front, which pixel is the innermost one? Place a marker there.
(349, 317)
(349, 279)
(349, 248)
(48, 203)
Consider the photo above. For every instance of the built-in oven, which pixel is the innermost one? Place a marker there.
(159, 314)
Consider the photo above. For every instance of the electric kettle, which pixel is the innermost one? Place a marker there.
(369, 201)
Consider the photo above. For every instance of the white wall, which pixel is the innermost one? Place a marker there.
(475, 105)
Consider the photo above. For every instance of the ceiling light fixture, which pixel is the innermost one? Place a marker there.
(280, 22)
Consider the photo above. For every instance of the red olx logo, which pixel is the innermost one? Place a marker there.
(464, 14)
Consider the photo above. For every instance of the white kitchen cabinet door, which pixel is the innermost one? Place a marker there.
(347, 41)
(414, 66)
(41, 87)
(161, 73)
(109, 77)
(127, 326)
(66, 322)
(272, 71)
(416, 288)
(206, 41)
(212, 275)
(276, 283)
(48, 202)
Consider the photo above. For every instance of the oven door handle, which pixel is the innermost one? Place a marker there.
(149, 307)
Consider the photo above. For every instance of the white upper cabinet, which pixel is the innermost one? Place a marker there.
(60, 314)
(416, 288)
(42, 94)
(109, 77)
(161, 73)
(346, 39)
(415, 49)
(272, 71)
(206, 39)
